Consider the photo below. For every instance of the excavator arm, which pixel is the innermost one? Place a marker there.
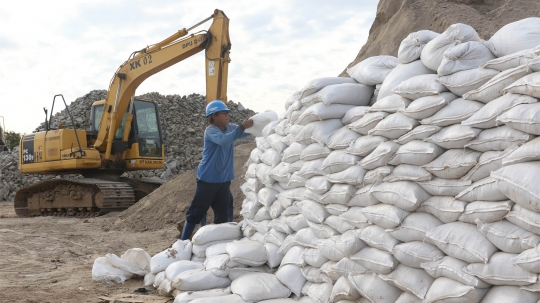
(155, 58)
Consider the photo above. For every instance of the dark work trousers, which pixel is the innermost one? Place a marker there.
(210, 195)
(230, 214)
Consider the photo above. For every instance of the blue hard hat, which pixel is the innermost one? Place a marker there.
(216, 106)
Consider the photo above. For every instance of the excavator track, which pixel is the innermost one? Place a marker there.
(73, 197)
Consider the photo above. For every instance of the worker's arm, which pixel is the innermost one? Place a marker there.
(223, 138)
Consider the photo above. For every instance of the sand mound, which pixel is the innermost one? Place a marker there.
(168, 204)
(397, 18)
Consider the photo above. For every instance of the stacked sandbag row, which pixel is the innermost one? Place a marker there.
(421, 196)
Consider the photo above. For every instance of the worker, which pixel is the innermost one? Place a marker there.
(216, 170)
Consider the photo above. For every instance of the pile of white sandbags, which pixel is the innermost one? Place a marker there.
(415, 180)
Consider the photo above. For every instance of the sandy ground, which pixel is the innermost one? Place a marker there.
(49, 259)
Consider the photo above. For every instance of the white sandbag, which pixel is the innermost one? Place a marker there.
(314, 151)
(499, 138)
(487, 115)
(414, 227)
(444, 187)
(338, 194)
(394, 126)
(385, 215)
(159, 278)
(376, 237)
(446, 209)
(512, 60)
(104, 271)
(346, 93)
(454, 136)
(406, 172)
(338, 247)
(390, 104)
(275, 237)
(270, 157)
(263, 174)
(274, 257)
(339, 224)
(433, 52)
(256, 287)
(320, 292)
(291, 276)
(336, 209)
(376, 260)
(456, 111)
(403, 194)
(418, 133)
(515, 37)
(401, 73)
(413, 280)
(269, 128)
(265, 196)
(232, 298)
(373, 70)
(315, 85)
(314, 257)
(276, 141)
(485, 189)
(534, 64)
(489, 161)
(465, 81)
(419, 86)
(337, 161)
(364, 145)
(148, 279)
(165, 289)
(344, 290)
(354, 114)
(524, 117)
(380, 156)
(453, 164)
(260, 120)
(280, 172)
(297, 222)
(355, 217)
(464, 56)
(448, 290)
(413, 253)
(494, 88)
(237, 272)
(374, 288)
(312, 168)
(346, 267)
(407, 297)
(322, 231)
(318, 184)
(250, 253)
(453, 269)
(342, 138)
(180, 250)
(292, 153)
(367, 122)
(509, 294)
(363, 197)
(189, 296)
(306, 237)
(500, 271)
(321, 111)
(529, 151)
(462, 241)
(524, 218)
(134, 260)
(262, 214)
(486, 212)
(377, 175)
(411, 47)
(427, 106)
(313, 211)
(416, 152)
(178, 267)
(520, 183)
(529, 260)
(199, 279)
(508, 237)
(353, 175)
(317, 132)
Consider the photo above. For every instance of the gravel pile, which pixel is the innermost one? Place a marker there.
(182, 120)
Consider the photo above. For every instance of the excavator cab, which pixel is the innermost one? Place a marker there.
(145, 138)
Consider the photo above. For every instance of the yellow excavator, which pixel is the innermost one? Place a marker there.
(125, 132)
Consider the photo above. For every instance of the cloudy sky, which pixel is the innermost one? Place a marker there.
(72, 47)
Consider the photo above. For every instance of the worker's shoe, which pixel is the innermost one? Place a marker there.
(180, 225)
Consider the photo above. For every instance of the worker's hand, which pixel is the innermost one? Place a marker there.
(247, 123)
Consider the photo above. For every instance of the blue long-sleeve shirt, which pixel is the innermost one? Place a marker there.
(217, 163)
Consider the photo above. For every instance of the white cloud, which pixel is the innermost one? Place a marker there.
(72, 47)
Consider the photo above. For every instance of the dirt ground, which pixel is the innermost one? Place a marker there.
(49, 259)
